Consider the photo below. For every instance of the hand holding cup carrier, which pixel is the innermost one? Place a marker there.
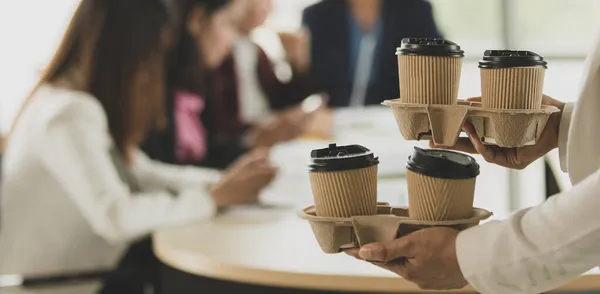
(510, 113)
(346, 213)
(441, 183)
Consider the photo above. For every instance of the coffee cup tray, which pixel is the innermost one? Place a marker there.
(335, 234)
(442, 123)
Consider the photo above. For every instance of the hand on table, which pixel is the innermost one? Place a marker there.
(321, 124)
(517, 158)
(297, 49)
(426, 257)
(284, 126)
(243, 181)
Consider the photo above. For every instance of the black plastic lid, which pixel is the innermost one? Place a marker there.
(511, 58)
(429, 47)
(443, 164)
(339, 158)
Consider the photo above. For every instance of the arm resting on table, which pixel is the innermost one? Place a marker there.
(538, 248)
(77, 154)
(169, 176)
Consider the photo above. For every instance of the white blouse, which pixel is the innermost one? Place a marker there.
(64, 206)
(254, 105)
(543, 247)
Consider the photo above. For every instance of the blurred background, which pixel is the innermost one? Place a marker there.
(560, 30)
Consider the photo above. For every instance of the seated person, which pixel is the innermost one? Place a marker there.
(215, 119)
(250, 100)
(77, 191)
(353, 44)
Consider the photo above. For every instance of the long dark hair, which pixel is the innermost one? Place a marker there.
(186, 68)
(112, 43)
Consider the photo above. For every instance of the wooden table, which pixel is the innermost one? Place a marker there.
(272, 246)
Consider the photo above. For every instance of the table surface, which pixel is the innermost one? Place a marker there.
(274, 247)
(270, 245)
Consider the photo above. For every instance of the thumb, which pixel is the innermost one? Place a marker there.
(474, 99)
(388, 250)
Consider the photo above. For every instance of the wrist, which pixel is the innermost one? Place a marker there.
(219, 198)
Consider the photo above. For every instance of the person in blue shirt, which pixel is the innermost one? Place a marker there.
(353, 44)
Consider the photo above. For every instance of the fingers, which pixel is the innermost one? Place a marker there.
(295, 116)
(353, 252)
(251, 159)
(387, 251)
(396, 267)
(462, 144)
(547, 100)
(258, 155)
(487, 153)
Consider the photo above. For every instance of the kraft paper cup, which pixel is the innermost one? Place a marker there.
(512, 79)
(344, 181)
(429, 71)
(441, 185)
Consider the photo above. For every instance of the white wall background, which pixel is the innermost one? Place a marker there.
(31, 29)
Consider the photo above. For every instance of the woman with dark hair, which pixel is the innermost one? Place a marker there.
(76, 189)
(249, 98)
(195, 117)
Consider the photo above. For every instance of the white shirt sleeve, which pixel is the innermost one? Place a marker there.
(76, 152)
(155, 174)
(563, 134)
(537, 249)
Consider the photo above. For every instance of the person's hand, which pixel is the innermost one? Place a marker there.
(517, 158)
(426, 257)
(297, 49)
(321, 124)
(282, 127)
(243, 181)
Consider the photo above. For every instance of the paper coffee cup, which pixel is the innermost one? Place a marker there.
(429, 71)
(512, 79)
(344, 181)
(441, 185)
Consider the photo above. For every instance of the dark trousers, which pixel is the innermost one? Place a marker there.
(138, 272)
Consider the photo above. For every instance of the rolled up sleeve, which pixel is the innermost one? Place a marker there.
(563, 135)
(537, 249)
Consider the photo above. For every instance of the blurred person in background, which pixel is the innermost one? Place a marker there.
(77, 191)
(219, 95)
(353, 44)
(252, 106)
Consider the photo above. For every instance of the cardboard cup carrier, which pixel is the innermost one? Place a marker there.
(510, 114)
(346, 213)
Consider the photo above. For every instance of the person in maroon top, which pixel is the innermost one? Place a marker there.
(250, 101)
(205, 124)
